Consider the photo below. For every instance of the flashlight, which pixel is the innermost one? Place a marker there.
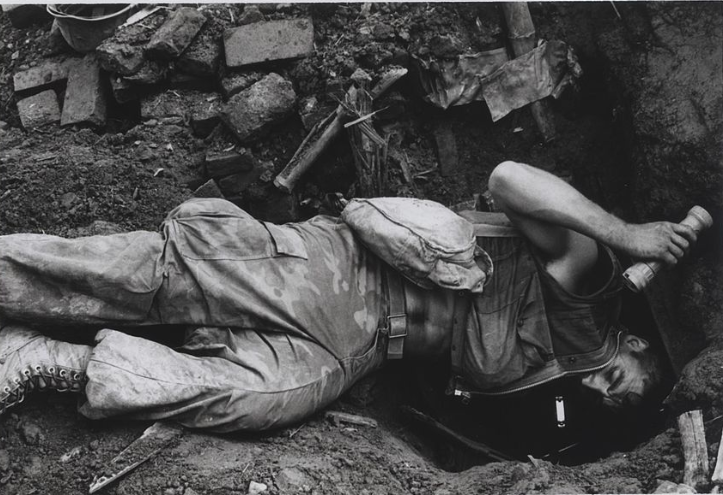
(638, 276)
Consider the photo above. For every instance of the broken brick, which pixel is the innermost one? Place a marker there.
(208, 189)
(175, 34)
(201, 58)
(236, 82)
(85, 101)
(220, 164)
(39, 110)
(120, 58)
(271, 40)
(446, 150)
(251, 113)
(23, 15)
(41, 77)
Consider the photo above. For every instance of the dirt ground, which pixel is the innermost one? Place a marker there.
(623, 139)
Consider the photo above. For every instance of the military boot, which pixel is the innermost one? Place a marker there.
(31, 361)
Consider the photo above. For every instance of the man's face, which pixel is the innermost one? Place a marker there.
(622, 382)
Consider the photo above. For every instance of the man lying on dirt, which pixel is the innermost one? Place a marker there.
(284, 319)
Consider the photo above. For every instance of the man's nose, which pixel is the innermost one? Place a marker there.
(597, 384)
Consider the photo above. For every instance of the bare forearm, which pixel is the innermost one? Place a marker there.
(534, 193)
(537, 195)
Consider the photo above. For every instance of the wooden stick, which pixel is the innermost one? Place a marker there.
(521, 33)
(448, 432)
(354, 419)
(718, 471)
(321, 136)
(695, 450)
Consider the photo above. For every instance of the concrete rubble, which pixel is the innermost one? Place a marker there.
(182, 65)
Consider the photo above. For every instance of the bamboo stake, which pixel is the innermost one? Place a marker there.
(695, 450)
(718, 470)
(521, 33)
(321, 136)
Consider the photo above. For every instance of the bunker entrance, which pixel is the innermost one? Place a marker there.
(559, 422)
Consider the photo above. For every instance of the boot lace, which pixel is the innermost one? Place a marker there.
(40, 378)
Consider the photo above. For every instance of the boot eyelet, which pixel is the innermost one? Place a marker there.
(27, 373)
(17, 381)
(6, 390)
(51, 370)
(77, 377)
(63, 373)
(38, 368)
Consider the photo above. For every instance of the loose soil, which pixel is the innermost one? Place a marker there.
(77, 181)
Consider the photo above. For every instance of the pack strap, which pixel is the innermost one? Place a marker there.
(396, 324)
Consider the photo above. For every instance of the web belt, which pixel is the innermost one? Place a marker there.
(396, 324)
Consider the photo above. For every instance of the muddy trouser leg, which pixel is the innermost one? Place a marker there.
(235, 380)
(90, 280)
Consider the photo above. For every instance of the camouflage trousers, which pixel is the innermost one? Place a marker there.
(286, 317)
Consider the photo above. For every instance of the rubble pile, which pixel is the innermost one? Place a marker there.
(234, 74)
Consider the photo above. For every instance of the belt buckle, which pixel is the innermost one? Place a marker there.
(397, 325)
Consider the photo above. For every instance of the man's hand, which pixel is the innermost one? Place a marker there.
(664, 241)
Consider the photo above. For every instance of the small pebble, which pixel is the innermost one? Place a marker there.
(256, 488)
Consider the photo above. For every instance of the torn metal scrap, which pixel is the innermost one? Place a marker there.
(504, 85)
(154, 439)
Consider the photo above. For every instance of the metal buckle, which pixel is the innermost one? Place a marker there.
(391, 320)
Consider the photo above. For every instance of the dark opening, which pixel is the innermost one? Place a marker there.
(526, 424)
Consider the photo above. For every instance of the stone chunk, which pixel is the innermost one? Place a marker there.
(120, 58)
(23, 15)
(39, 110)
(250, 15)
(251, 113)
(85, 101)
(41, 77)
(219, 164)
(236, 82)
(175, 34)
(201, 58)
(265, 41)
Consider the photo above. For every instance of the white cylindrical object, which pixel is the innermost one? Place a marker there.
(639, 275)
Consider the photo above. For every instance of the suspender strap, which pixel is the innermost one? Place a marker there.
(488, 224)
(397, 317)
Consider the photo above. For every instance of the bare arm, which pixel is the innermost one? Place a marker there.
(563, 224)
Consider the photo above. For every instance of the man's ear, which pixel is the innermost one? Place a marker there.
(635, 343)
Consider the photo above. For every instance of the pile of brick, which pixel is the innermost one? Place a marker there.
(179, 71)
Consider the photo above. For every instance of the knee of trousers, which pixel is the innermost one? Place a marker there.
(140, 379)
